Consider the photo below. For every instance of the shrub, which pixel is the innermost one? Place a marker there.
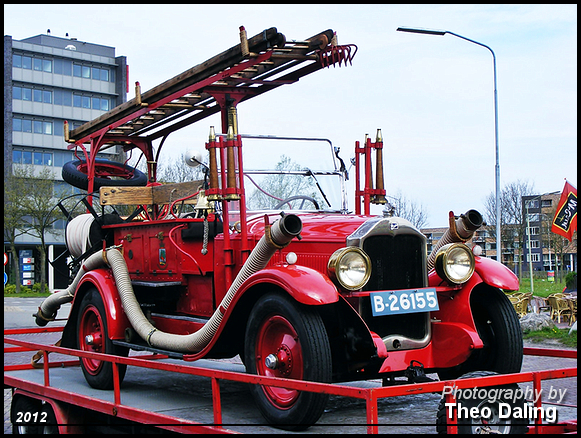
(571, 280)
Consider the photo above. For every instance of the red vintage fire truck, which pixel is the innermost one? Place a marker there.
(296, 283)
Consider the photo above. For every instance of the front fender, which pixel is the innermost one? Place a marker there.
(305, 285)
(496, 274)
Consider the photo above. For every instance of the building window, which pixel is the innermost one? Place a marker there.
(532, 203)
(47, 65)
(26, 125)
(36, 126)
(534, 244)
(533, 231)
(36, 157)
(534, 257)
(26, 94)
(26, 157)
(27, 62)
(37, 95)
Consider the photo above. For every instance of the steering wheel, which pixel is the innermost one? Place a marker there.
(294, 198)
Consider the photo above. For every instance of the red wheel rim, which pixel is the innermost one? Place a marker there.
(277, 337)
(91, 338)
(105, 171)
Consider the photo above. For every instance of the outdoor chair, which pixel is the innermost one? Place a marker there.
(521, 307)
(559, 308)
(573, 306)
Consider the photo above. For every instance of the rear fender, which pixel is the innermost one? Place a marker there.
(103, 281)
(305, 285)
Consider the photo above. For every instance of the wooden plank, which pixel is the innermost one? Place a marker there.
(126, 195)
(163, 194)
(168, 193)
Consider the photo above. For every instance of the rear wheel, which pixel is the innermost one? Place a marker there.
(93, 337)
(289, 340)
(498, 326)
(488, 416)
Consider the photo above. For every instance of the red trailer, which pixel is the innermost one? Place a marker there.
(48, 396)
(266, 261)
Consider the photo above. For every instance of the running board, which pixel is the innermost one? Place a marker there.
(143, 347)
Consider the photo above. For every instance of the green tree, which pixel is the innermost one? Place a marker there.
(14, 214)
(30, 203)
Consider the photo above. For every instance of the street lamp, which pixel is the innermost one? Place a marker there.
(497, 166)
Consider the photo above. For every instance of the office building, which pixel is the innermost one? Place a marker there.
(49, 80)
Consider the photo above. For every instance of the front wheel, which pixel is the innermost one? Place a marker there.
(289, 340)
(496, 409)
(93, 336)
(498, 326)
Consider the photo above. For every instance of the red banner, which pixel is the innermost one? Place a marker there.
(565, 220)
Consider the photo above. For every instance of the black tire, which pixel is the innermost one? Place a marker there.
(296, 335)
(294, 198)
(498, 326)
(50, 426)
(107, 173)
(493, 424)
(92, 321)
(25, 414)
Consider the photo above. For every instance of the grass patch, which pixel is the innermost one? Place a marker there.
(542, 288)
(26, 295)
(561, 335)
(25, 292)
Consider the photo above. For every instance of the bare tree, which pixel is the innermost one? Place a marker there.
(512, 221)
(274, 188)
(410, 210)
(175, 170)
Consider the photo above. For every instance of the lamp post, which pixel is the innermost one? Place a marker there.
(497, 165)
(527, 204)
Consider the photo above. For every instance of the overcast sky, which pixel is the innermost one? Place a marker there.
(432, 96)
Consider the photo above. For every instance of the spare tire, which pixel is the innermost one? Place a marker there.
(107, 173)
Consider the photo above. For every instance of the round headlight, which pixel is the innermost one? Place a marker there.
(350, 267)
(455, 263)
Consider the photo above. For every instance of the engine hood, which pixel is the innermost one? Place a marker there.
(320, 227)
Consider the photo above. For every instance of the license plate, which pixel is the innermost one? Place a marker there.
(394, 302)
